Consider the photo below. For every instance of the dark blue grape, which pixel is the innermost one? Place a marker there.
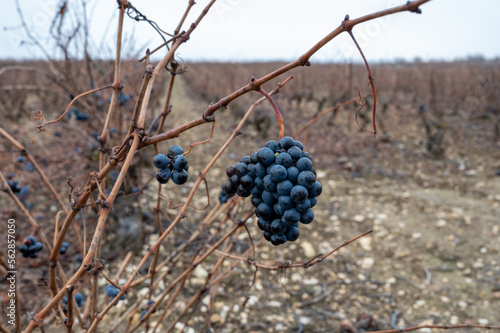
(281, 238)
(278, 173)
(286, 202)
(295, 153)
(23, 248)
(313, 201)
(247, 182)
(307, 217)
(231, 171)
(316, 190)
(269, 184)
(291, 216)
(307, 155)
(293, 173)
(245, 160)
(64, 248)
(273, 145)
(38, 247)
(111, 291)
(242, 192)
(268, 197)
(240, 168)
(278, 209)
(251, 170)
(276, 195)
(303, 206)
(298, 193)
(255, 191)
(277, 226)
(284, 187)
(253, 158)
(306, 179)
(262, 224)
(265, 156)
(78, 299)
(179, 162)
(267, 235)
(160, 161)
(229, 188)
(284, 159)
(256, 201)
(20, 159)
(174, 151)
(299, 144)
(264, 210)
(260, 170)
(163, 175)
(304, 164)
(292, 234)
(259, 183)
(235, 180)
(274, 240)
(287, 142)
(179, 177)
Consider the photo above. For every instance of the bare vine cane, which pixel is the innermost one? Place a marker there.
(279, 118)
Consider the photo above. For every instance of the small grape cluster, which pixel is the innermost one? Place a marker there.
(30, 247)
(174, 165)
(149, 305)
(282, 182)
(111, 291)
(64, 248)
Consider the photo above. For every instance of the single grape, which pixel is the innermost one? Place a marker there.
(298, 144)
(298, 193)
(292, 234)
(316, 190)
(240, 168)
(286, 202)
(253, 158)
(179, 177)
(273, 145)
(262, 224)
(229, 188)
(284, 187)
(269, 184)
(230, 171)
(304, 164)
(260, 170)
(267, 235)
(281, 238)
(259, 183)
(278, 173)
(303, 206)
(307, 217)
(284, 159)
(265, 156)
(174, 151)
(163, 175)
(256, 201)
(291, 216)
(179, 162)
(264, 210)
(245, 160)
(293, 173)
(307, 155)
(295, 153)
(313, 201)
(20, 159)
(287, 142)
(277, 226)
(160, 161)
(268, 197)
(242, 192)
(247, 182)
(278, 209)
(306, 179)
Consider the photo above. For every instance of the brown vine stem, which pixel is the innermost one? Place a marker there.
(322, 114)
(279, 118)
(307, 264)
(370, 79)
(441, 327)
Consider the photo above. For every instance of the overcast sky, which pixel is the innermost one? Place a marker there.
(244, 30)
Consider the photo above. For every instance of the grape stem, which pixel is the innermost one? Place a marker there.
(279, 118)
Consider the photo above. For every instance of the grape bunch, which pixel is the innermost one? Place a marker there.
(30, 247)
(174, 165)
(282, 182)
